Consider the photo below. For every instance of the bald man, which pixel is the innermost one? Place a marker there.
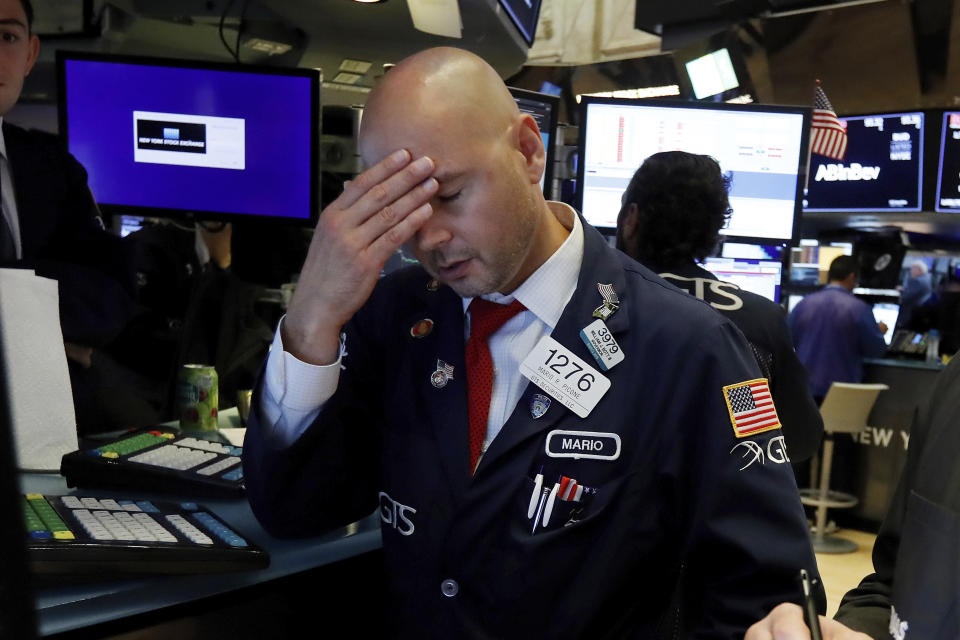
(557, 442)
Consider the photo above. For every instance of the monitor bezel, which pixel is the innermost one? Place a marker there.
(805, 112)
(920, 178)
(943, 138)
(783, 268)
(515, 21)
(313, 75)
(554, 101)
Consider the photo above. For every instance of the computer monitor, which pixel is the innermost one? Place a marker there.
(762, 148)
(762, 277)
(543, 107)
(882, 169)
(755, 251)
(887, 313)
(948, 171)
(177, 138)
(711, 74)
(524, 15)
(793, 300)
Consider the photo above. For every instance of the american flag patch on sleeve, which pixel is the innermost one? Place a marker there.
(751, 407)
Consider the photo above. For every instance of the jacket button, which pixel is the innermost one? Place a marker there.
(449, 587)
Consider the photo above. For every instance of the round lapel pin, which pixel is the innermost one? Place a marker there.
(422, 329)
(442, 375)
(433, 285)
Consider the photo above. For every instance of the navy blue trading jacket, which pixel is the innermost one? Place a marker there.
(688, 532)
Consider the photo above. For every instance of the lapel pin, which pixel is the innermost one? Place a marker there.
(422, 329)
(442, 375)
(610, 302)
(539, 404)
(433, 285)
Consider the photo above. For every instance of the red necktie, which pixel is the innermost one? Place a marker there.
(485, 318)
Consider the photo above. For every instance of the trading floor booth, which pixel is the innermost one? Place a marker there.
(150, 530)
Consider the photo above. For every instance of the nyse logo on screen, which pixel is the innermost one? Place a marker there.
(839, 172)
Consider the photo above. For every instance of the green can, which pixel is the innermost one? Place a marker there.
(198, 398)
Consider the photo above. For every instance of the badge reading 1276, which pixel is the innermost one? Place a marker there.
(566, 377)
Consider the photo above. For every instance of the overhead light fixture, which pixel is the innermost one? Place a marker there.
(437, 17)
(268, 47)
(355, 66)
(347, 78)
(645, 92)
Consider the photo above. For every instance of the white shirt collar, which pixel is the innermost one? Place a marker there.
(3, 141)
(548, 289)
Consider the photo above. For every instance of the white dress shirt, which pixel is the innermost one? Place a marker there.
(294, 391)
(8, 203)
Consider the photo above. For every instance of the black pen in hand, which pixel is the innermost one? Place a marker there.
(810, 607)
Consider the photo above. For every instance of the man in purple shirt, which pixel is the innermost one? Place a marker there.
(833, 330)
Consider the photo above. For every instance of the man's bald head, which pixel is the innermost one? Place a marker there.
(490, 227)
(445, 90)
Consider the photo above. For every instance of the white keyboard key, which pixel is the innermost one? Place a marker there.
(110, 505)
(154, 527)
(91, 503)
(116, 529)
(71, 502)
(187, 529)
(219, 466)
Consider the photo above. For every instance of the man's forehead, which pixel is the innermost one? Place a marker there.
(444, 146)
(12, 13)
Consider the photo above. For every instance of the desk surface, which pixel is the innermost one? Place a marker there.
(905, 363)
(76, 605)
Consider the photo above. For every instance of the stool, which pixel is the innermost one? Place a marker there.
(844, 410)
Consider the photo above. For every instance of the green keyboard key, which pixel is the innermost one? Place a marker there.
(49, 517)
(134, 443)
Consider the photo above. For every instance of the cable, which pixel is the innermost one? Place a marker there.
(223, 17)
(243, 14)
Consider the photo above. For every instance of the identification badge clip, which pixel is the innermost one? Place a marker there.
(602, 345)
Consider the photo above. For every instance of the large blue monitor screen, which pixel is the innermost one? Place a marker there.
(881, 171)
(174, 138)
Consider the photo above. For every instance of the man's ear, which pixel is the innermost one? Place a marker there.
(32, 53)
(630, 220)
(528, 141)
(627, 228)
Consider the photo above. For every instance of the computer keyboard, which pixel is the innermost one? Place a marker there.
(77, 535)
(158, 460)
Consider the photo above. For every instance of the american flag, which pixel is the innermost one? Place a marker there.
(751, 407)
(828, 136)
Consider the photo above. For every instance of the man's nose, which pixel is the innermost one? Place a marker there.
(432, 235)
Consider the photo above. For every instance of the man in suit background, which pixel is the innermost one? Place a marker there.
(51, 224)
(673, 210)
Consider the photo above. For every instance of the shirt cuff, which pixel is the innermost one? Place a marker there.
(294, 391)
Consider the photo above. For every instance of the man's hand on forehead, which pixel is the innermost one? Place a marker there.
(374, 216)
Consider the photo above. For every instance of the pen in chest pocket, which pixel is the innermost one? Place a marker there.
(543, 499)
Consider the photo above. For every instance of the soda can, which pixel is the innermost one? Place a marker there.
(197, 397)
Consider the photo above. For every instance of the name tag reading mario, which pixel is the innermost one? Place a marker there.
(582, 444)
(566, 377)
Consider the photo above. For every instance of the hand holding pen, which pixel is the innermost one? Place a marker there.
(786, 622)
